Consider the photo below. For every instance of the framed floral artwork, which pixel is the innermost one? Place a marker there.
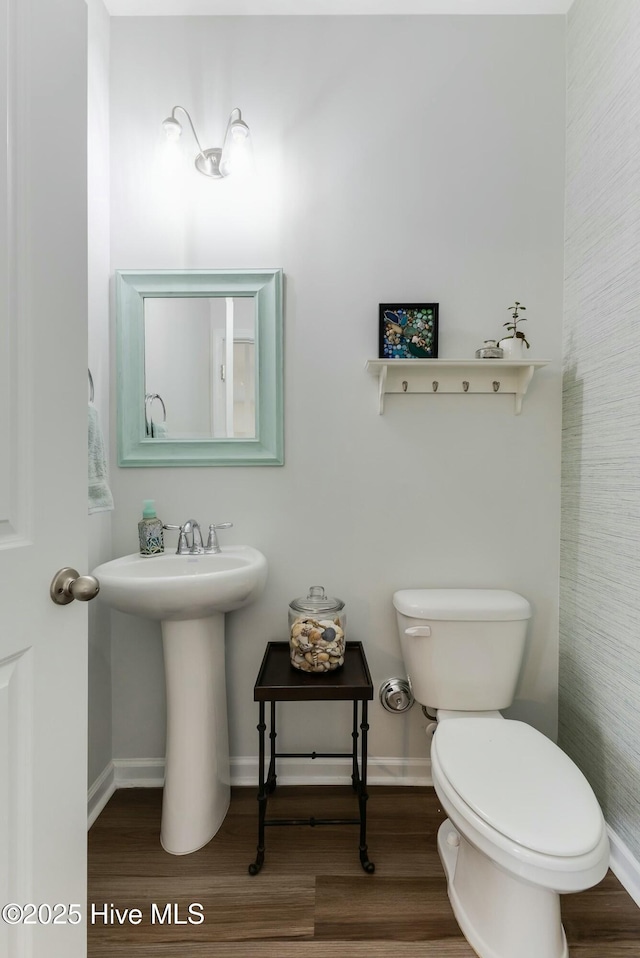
(408, 331)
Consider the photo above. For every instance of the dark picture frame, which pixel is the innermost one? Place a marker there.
(408, 331)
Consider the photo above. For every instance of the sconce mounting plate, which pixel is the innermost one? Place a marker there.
(208, 162)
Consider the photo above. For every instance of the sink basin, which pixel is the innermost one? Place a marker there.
(190, 596)
(173, 587)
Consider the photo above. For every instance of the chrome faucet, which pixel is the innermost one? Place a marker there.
(191, 528)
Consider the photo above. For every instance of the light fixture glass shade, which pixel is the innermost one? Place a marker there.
(172, 128)
(236, 152)
(239, 130)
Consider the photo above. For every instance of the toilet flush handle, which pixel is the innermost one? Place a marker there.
(418, 631)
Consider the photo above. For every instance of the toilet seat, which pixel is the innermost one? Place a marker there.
(499, 783)
(521, 784)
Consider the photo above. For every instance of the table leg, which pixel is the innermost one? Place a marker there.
(355, 775)
(272, 777)
(255, 867)
(363, 797)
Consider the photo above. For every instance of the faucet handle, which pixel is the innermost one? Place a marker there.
(183, 546)
(213, 545)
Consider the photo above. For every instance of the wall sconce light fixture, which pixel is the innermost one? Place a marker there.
(219, 161)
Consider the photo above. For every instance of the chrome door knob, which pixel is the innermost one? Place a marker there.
(68, 584)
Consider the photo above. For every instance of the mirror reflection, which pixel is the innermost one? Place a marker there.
(200, 367)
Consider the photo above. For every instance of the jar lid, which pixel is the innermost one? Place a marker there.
(317, 601)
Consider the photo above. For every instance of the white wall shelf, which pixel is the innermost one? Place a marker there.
(436, 376)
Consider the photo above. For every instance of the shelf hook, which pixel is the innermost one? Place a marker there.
(465, 385)
(496, 385)
(435, 385)
(405, 385)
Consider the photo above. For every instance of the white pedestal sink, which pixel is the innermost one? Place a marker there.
(190, 596)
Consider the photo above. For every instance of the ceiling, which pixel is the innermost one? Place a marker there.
(150, 8)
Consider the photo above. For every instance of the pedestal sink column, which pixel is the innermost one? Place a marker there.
(190, 595)
(197, 778)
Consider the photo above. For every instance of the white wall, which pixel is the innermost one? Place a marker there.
(600, 657)
(406, 158)
(100, 547)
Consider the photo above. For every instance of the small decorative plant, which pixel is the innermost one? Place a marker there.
(512, 326)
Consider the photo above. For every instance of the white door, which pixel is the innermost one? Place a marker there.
(43, 477)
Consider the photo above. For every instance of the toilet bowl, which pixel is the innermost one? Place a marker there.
(523, 826)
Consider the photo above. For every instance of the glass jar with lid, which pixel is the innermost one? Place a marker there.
(316, 631)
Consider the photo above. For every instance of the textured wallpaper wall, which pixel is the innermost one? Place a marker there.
(600, 560)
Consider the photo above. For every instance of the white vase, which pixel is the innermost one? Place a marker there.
(513, 347)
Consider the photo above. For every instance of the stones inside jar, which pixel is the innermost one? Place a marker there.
(317, 645)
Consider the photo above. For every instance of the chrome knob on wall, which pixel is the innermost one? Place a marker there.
(67, 585)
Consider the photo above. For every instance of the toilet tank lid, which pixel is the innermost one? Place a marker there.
(490, 605)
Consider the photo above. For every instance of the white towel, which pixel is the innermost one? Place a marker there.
(100, 498)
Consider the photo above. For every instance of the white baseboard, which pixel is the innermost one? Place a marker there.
(139, 772)
(624, 865)
(149, 773)
(335, 771)
(123, 773)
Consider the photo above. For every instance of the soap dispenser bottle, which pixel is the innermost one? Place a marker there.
(150, 531)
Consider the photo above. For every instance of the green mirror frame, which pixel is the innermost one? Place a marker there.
(132, 288)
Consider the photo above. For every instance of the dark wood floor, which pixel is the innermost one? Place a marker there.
(311, 899)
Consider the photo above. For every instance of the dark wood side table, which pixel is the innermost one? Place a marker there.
(279, 681)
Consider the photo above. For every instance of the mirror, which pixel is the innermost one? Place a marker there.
(199, 357)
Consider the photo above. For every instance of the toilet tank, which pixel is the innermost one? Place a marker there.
(462, 648)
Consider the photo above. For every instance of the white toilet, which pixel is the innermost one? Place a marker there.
(523, 824)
